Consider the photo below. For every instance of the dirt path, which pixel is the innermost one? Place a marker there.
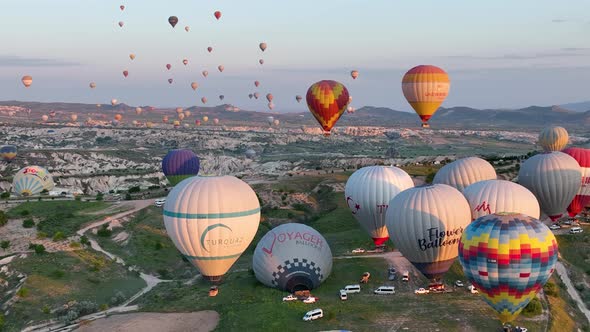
(562, 272)
(136, 206)
(202, 321)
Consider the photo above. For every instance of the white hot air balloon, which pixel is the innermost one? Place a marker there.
(463, 172)
(32, 180)
(426, 223)
(368, 192)
(496, 196)
(270, 120)
(292, 257)
(554, 178)
(211, 221)
(553, 138)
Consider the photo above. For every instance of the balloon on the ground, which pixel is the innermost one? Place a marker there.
(178, 165)
(327, 100)
(211, 221)
(32, 180)
(493, 196)
(582, 198)
(205, 118)
(74, 117)
(138, 110)
(368, 192)
(508, 258)
(554, 178)
(464, 172)
(426, 87)
(292, 257)
(8, 152)
(553, 138)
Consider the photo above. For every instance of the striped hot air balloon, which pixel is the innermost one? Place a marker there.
(463, 172)
(582, 198)
(553, 138)
(327, 100)
(8, 153)
(178, 165)
(426, 87)
(491, 196)
(32, 180)
(508, 257)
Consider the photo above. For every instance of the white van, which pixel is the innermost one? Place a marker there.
(160, 202)
(313, 315)
(575, 230)
(352, 289)
(384, 290)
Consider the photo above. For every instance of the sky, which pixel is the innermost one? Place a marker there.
(498, 54)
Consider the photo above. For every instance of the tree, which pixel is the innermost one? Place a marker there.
(5, 244)
(28, 223)
(5, 195)
(84, 240)
(104, 231)
(39, 249)
(58, 236)
(3, 218)
(534, 308)
(128, 197)
(135, 189)
(99, 196)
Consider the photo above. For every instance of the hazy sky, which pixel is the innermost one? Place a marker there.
(501, 53)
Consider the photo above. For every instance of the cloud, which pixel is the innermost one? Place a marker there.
(14, 60)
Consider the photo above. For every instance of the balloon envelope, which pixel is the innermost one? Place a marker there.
(32, 180)
(173, 20)
(582, 198)
(425, 87)
(463, 172)
(327, 100)
(178, 165)
(262, 46)
(553, 138)
(27, 80)
(217, 14)
(354, 74)
(194, 85)
(8, 152)
(494, 196)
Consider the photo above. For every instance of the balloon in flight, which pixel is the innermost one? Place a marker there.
(74, 117)
(170, 80)
(185, 62)
(463, 172)
(118, 117)
(217, 14)
(354, 74)
(125, 73)
(132, 56)
(44, 117)
(168, 66)
(221, 97)
(122, 7)
(298, 98)
(204, 100)
(92, 85)
(27, 81)
(269, 97)
(121, 23)
(426, 87)
(553, 138)
(256, 83)
(209, 49)
(582, 198)
(205, 118)
(173, 20)
(262, 46)
(8, 153)
(327, 100)
(178, 165)
(205, 73)
(216, 121)
(187, 28)
(220, 68)
(138, 110)
(194, 85)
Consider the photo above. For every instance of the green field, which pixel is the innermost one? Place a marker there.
(575, 249)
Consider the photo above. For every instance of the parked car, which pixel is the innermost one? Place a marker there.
(310, 299)
(385, 290)
(343, 295)
(290, 297)
(459, 283)
(313, 315)
(554, 226)
(352, 289)
(520, 329)
(567, 222)
(472, 289)
(160, 202)
(421, 291)
(358, 250)
(575, 230)
(406, 276)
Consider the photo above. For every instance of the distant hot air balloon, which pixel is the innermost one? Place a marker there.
(149, 124)
(168, 66)
(221, 97)
(271, 106)
(582, 198)
(250, 96)
(270, 120)
(27, 81)
(187, 113)
(508, 257)
(368, 192)
(194, 85)
(92, 85)
(122, 7)
(211, 221)
(269, 97)
(256, 95)
(209, 49)
(204, 100)
(220, 68)
(256, 83)
(554, 178)
(118, 117)
(32, 180)
(298, 98)
(426, 223)
(197, 122)
(8, 153)
(132, 56)
(138, 110)
(327, 100)
(354, 74)
(493, 196)
(125, 73)
(121, 23)
(250, 153)
(553, 138)
(74, 117)
(52, 114)
(350, 110)
(276, 122)
(217, 15)
(185, 62)
(205, 118)
(173, 20)
(170, 81)
(44, 117)
(187, 28)
(292, 257)
(113, 102)
(180, 116)
(216, 121)
(135, 123)
(425, 87)
(205, 73)
(179, 110)
(176, 123)
(262, 46)
(465, 171)
(165, 119)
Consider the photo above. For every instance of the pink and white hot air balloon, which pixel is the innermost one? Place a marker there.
(582, 198)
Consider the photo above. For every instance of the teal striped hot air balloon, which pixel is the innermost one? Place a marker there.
(32, 180)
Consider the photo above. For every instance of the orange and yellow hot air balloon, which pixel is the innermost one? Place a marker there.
(327, 100)
(118, 117)
(426, 87)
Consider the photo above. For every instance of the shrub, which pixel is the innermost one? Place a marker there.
(99, 197)
(3, 218)
(39, 248)
(5, 244)
(25, 213)
(78, 198)
(57, 274)
(58, 236)
(5, 195)
(135, 189)
(534, 308)
(46, 310)
(118, 298)
(159, 245)
(23, 292)
(41, 235)
(104, 307)
(84, 240)
(28, 223)
(104, 231)
(128, 197)
(550, 289)
(75, 245)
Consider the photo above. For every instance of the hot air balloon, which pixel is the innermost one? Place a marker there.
(298, 98)
(185, 62)
(125, 73)
(165, 119)
(197, 122)
(187, 28)
(205, 118)
(220, 68)
(292, 257)
(217, 14)
(493, 196)
(508, 257)
(135, 123)
(554, 178)
(170, 81)
(256, 83)
(178, 165)
(176, 124)
(74, 117)
(582, 198)
(425, 87)
(113, 102)
(368, 192)
(463, 172)
(187, 113)
(256, 95)
(250, 96)
(269, 97)
(262, 46)
(354, 74)
(426, 224)
(270, 120)
(271, 106)
(180, 116)
(216, 121)
(52, 114)
(121, 24)
(205, 73)
(211, 221)
(209, 49)
(8, 153)
(32, 180)
(221, 97)
(168, 66)
(118, 117)
(138, 110)
(327, 100)
(132, 56)
(179, 110)
(173, 20)
(27, 81)
(44, 117)
(276, 122)
(92, 85)
(250, 153)
(122, 7)
(204, 100)
(149, 124)
(553, 138)
(194, 85)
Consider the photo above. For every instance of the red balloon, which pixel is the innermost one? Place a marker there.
(209, 49)
(327, 100)
(125, 73)
(582, 198)
(168, 66)
(217, 14)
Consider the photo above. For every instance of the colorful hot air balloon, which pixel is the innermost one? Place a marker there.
(187, 28)
(8, 153)
(92, 85)
(187, 113)
(292, 257)
(180, 116)
(261, 61)
(271, 106)
(173, 20)
(205, 73)
(132, 56)
(121, 24)
(220, 68)
(217, 14)
(553, 138)
(256, 83)
(262, 46)
(582, 198)
(197, 122)
(32, 180)
(508, 257)
(27, 81)
(118, 117)
(204, 100)
(269, 97)
(122, 7)
(298, 98)
(209, 49)
(211, 221)
(44, 118)
(493, 196)
(368, 192)
(463, 172)
(425, 223)
(178, 165)
(216, 121)
(194, 85)
(425, 87)
(354, 74)
(170, 80)
(138, 110)
(327, 100)
(176, 124)
(554, 178)
(74, 117)
(185, 62)
(205, 118)
(125, 73)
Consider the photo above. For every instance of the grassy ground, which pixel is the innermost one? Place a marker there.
(564, 315)
(55, 279)
(575, 249)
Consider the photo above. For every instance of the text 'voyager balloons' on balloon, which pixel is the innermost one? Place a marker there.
(493, 196)
(463, 172)
(582, 198)
(368, 192)
(211, 221)
(32, 180)
(327, 100)
(426, 88)
(178, 165)
(292, 257)
(508, 257)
